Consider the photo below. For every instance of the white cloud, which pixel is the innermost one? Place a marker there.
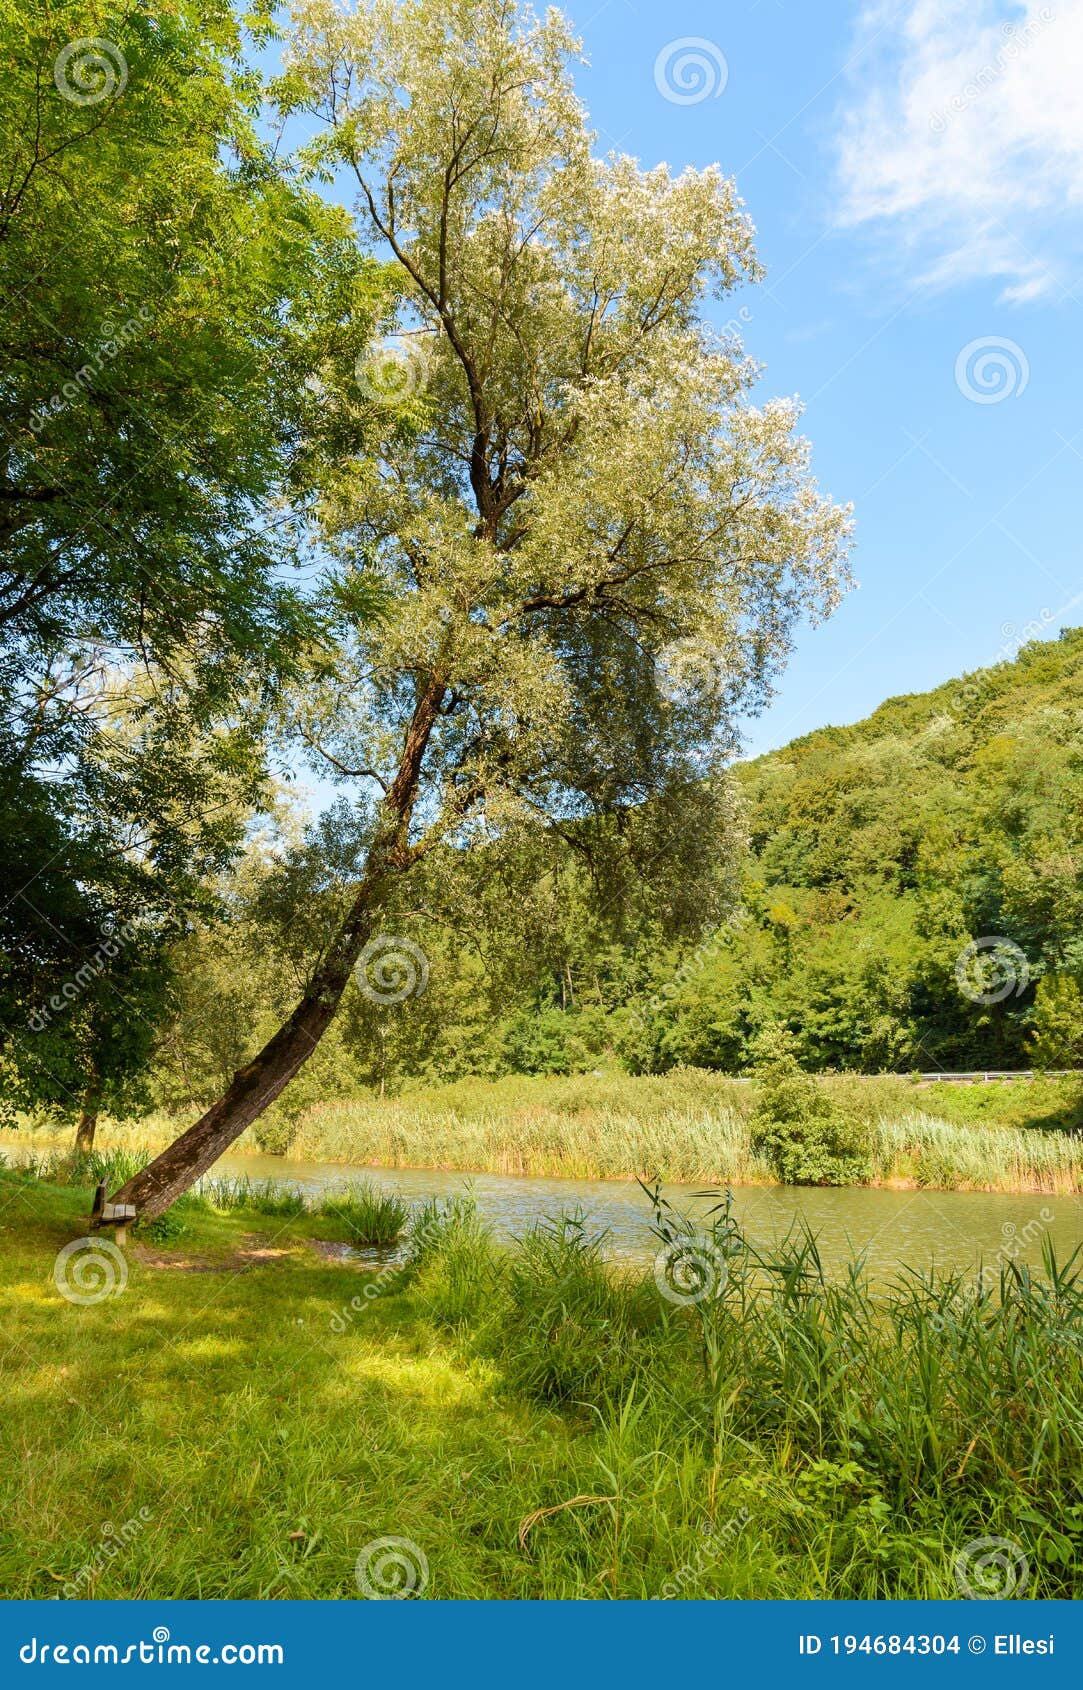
(964, 138)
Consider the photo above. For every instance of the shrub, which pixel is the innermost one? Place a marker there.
(167, 1227)
(277, 1129)
(1057, 1037)
(808, 1139)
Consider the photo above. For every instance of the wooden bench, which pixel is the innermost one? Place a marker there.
(118, 1215)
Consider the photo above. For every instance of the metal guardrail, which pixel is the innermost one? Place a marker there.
(1002, 1074)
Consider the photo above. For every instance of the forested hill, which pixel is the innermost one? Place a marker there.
(879, 853)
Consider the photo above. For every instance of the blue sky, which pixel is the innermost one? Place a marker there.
(914, 171)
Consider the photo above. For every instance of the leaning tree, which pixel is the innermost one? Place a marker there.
(590, 546)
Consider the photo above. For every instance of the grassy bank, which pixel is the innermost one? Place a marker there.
(690, 1127)
(244, 1418)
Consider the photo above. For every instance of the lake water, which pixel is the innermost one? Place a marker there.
(915, 1228)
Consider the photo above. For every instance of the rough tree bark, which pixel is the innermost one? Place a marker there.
(86, 1125)
(255, 1086)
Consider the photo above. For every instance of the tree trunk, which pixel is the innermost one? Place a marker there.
(256, 1086)
(85, 1128)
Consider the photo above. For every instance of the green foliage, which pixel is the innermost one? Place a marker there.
(164, 430)
(550, 1042)
(1057, 1037)
(370, 1216)
(169, 1227)
(571, 1333)
(807, 1138)
(166, 354)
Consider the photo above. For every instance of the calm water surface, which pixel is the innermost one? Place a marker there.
(915, 1228)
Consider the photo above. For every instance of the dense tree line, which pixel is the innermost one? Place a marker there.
(875, 855)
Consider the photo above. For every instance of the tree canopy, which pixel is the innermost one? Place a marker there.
(169, 297)
(589, 546)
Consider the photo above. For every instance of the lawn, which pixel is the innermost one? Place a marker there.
(243, 1420)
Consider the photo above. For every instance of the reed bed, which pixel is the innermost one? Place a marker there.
(684, 1130)
(688, 1126)
(924, 1151)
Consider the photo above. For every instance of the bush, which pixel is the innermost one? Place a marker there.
(1057, 1037)
(807, 1138)
(548, 1041)
(277, 1129)
(168, 1227)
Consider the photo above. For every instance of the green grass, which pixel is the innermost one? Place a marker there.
(360, 1212)
(536, 1426)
